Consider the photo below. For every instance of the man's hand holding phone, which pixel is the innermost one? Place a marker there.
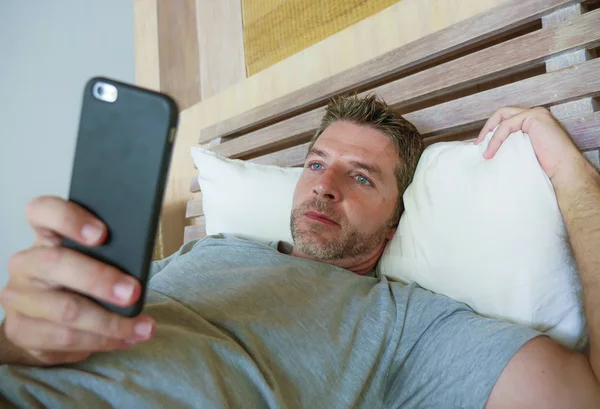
(47, 318)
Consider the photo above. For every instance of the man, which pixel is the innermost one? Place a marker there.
(242, 324)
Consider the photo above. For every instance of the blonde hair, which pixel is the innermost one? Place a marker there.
(375, 113)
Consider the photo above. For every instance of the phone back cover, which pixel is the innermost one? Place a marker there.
(119, 172)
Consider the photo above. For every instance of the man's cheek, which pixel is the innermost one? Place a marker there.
(298, 193)
(302, 187)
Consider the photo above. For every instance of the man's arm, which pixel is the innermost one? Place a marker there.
(579, 200)
(543, 374)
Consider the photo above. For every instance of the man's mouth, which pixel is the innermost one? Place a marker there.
(320, 218)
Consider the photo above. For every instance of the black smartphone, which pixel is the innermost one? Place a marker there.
(122, 158)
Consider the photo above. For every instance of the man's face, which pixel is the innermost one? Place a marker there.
(345, 199)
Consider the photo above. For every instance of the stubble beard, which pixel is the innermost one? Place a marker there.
(347, 244)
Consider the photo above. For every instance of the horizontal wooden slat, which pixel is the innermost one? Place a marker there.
(194, 185)
(577, 82)
(584, 131)
(503, 18)
(197, 221)
(293, 156)
(194, 208)
(282, 133)
(462, 136)
(194, 232)
(593, 157)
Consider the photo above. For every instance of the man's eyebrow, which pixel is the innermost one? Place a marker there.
(317, 152)
(372, 169)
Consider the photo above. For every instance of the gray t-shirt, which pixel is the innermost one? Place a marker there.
(241, 325)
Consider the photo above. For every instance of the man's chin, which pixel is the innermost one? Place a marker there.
(322, 234)
(315, 251)
(314, 244)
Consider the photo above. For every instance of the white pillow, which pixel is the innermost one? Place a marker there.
(246, 199)
(489, 233)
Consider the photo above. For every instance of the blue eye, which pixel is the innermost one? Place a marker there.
(363, 180)
(315, 166)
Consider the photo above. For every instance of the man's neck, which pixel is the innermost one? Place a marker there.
(361, 265)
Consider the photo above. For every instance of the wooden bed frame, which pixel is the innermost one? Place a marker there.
(522, 53)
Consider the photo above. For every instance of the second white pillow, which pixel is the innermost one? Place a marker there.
(489, 233)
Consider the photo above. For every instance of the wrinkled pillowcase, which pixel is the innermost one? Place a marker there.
(489, 233)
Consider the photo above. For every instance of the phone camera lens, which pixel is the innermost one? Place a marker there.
(104, 91)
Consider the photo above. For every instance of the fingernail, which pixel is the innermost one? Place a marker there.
(143, 329)
(124, 289)
(92, 232)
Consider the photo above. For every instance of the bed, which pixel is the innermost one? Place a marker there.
(447, 83)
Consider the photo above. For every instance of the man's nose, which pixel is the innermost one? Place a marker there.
(328, 186)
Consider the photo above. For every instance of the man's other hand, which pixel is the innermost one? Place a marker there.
(47, 318)
(555, 151)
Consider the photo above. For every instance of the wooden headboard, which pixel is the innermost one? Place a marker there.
(522, 53)
(447, 83)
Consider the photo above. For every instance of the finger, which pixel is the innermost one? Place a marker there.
(507, 127)
(33, 333)
(77, 312)
(53, 217)
(47, 238)
(63, 267)
(496, 118)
